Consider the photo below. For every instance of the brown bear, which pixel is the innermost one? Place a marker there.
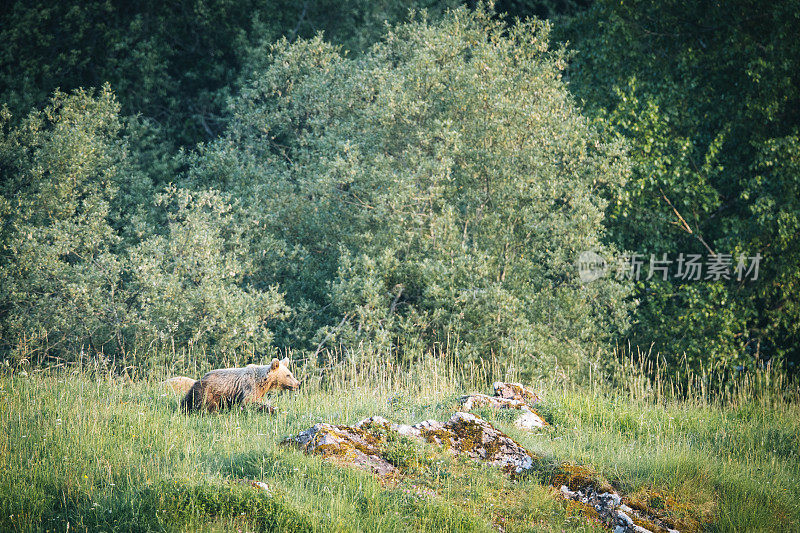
(227, 387)
(179, 384)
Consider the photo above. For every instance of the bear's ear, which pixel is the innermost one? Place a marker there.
(275, 364)
(285, 361)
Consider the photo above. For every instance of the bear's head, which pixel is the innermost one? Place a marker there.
(280, 377)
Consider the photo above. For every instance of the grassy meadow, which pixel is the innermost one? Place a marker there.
(83, 451)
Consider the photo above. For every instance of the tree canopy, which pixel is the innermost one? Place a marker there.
(224, 178)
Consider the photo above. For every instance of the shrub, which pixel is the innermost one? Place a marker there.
(436, 190)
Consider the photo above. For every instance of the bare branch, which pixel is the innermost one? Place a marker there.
(685, 225)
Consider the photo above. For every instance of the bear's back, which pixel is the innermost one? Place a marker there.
(220, 388)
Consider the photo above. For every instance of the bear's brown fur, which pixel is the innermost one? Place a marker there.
(179, 384)
(227, 387)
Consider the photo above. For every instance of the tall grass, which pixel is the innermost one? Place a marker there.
(649, 377)
(91, 449)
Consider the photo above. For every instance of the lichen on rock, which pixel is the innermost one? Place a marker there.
(474, 437)
(515, 391)
(349, 445)
(607, 505)
(464, 433)
(508, 396)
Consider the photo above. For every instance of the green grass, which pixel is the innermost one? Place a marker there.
(89, 453)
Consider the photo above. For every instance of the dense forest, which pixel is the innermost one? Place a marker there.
(228, 178)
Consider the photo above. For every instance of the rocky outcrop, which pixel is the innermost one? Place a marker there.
(348, 445)
(465, 434)
(582, 485)
(365, 446)
(612, 511)
(515, 391)
(509, 396)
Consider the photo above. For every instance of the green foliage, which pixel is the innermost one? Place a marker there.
(189, 283)
(407, 186)
(174, 63)
(167, 61)
(87, 266)
(438, 187)
(61, 270)
(707, 97)
(542, 9)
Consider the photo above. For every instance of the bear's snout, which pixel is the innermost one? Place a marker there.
(292, 385)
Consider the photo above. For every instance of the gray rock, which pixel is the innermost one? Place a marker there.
(529, 420)
(472, 436)
(623, 518)
(515, 391)
(463, 433)
(348, 445)
(611, 510)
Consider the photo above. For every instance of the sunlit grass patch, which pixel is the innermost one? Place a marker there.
(110, 454)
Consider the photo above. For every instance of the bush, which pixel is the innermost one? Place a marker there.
(189, 283)
(436, 190)
(91, 264)
(61, 270)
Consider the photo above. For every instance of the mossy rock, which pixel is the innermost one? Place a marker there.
(366, 444)
(347, 445)
(577, 477)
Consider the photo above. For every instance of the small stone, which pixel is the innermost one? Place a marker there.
(261, 485)
(515, 391)
(623, 518)
(529, 420)
(474, 400)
